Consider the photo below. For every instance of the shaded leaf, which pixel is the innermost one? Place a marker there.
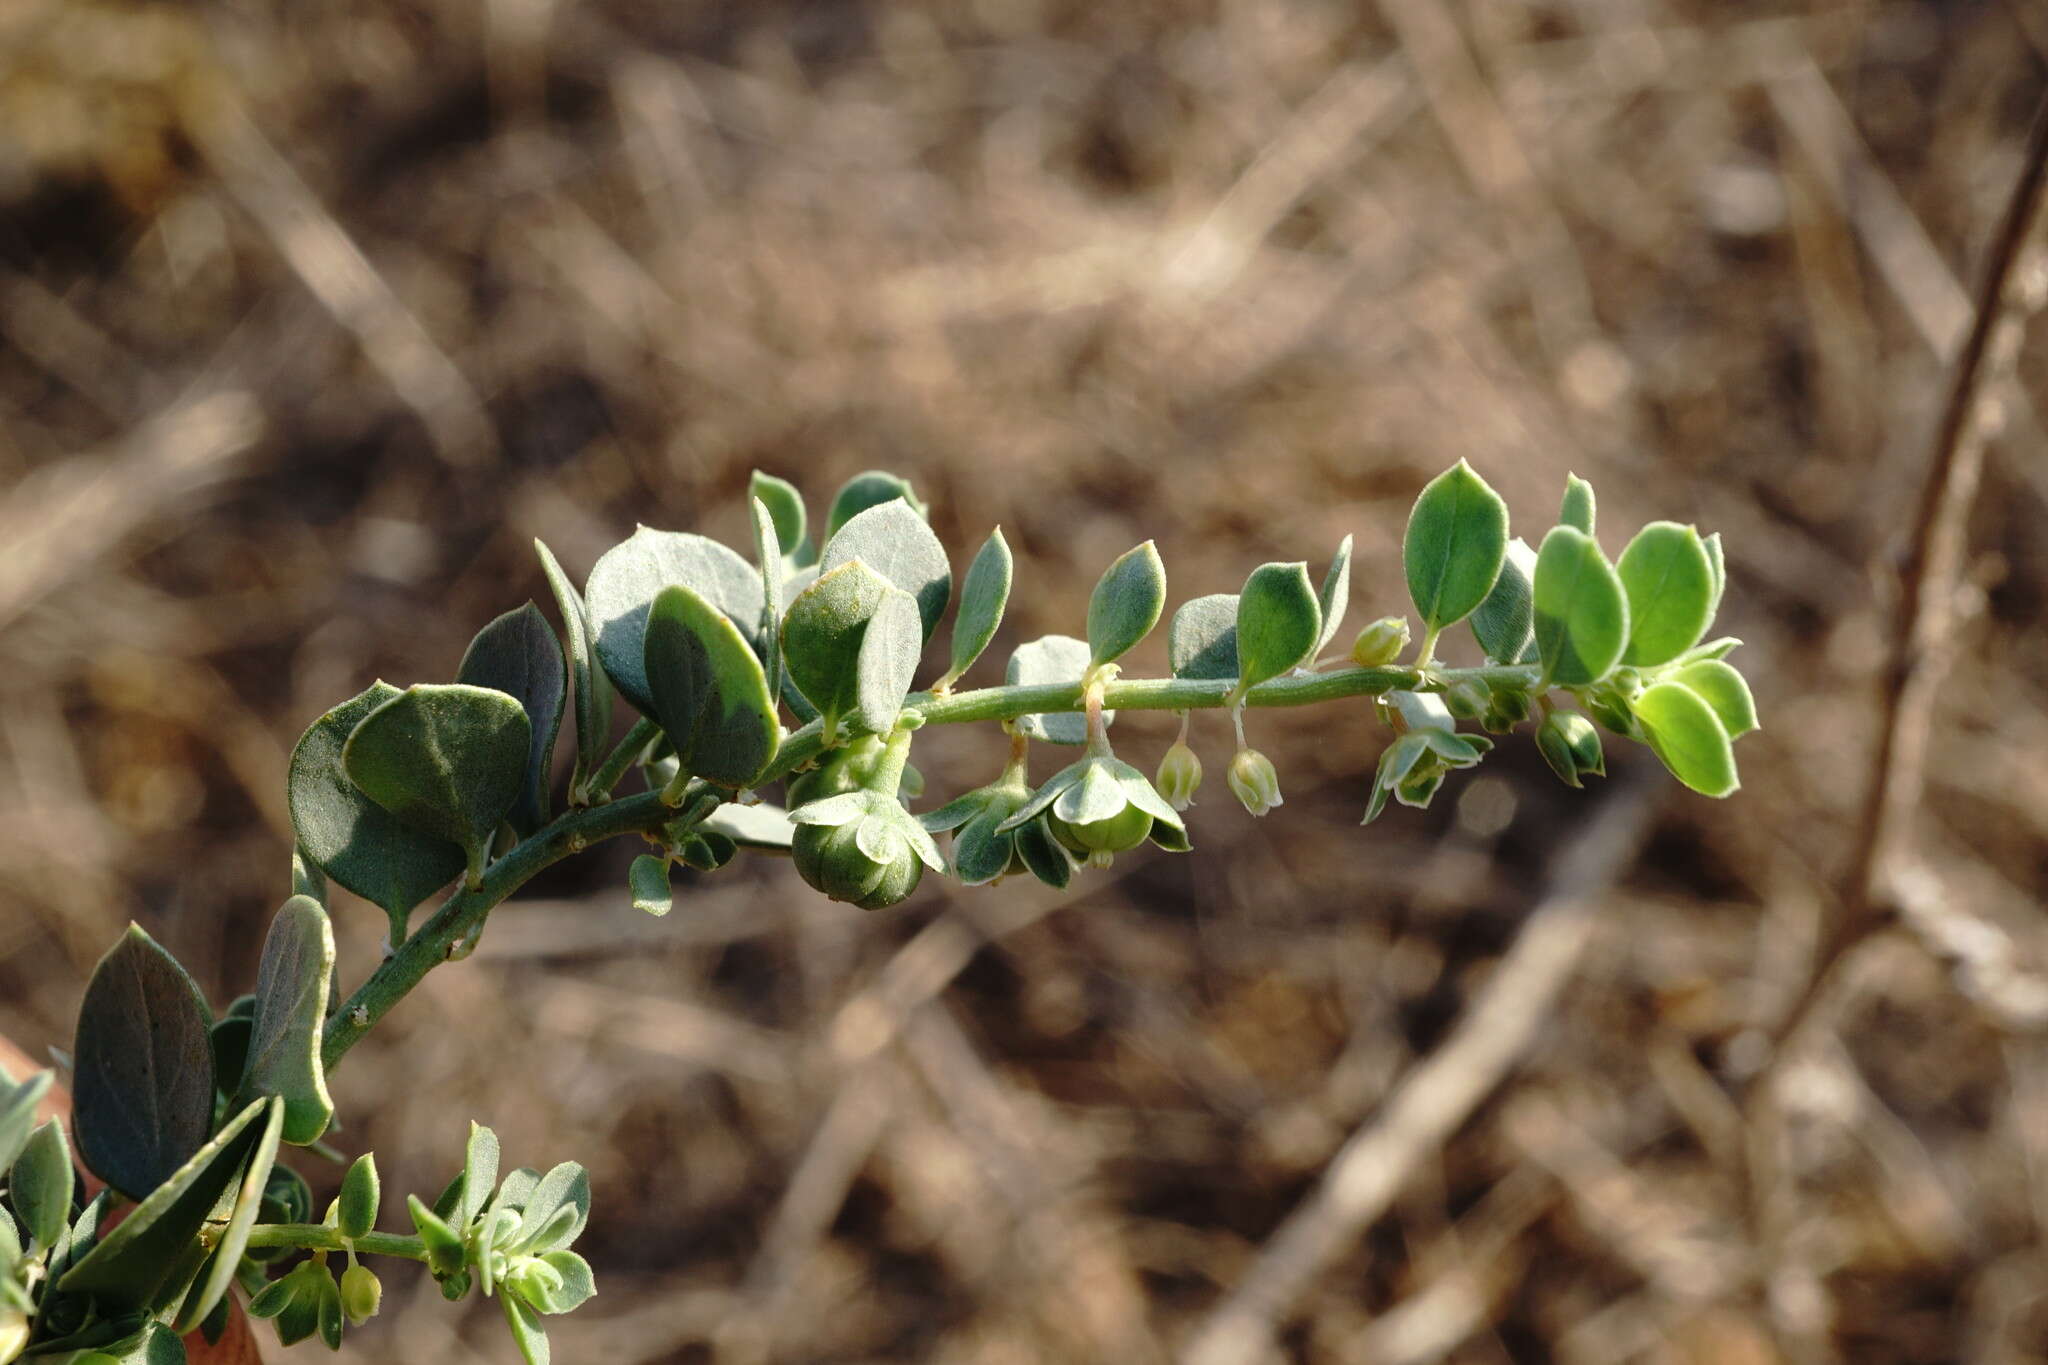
(1279, 623)
(709, 692)
(984, 593)
(518, 654)
(593, 688)
(142, 1096)
(888, 660)
(626, 580)
(445, 758)
(786, 507)
(1335, 595)
(1723, 689)
(871, 488)
(1505, 622)
(768, 555)
(291, 1010)
(761, 826)
(1457, 536)
(822, 634)
(211, 1289)
(39, 1184)
(1126, 603)
(1201, 640)
(1051, 659)
(1669, 579)
(1686, 734)
(648, 881)
(18, 1112)
(1581, 614)
(894, 541)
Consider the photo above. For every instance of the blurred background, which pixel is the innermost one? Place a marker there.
(313, 315)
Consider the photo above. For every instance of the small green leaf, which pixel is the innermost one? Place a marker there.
(1506, 621)
(1684, 732)
(479, 1172)
(894, 541)
(1335, 597)
(1669, 577)
(1279, 623)
(151, 1251)
(648, 880)
(822, 634)
(554, 1214)
(1052, 659)
(1457, 537)
(518, 654)
(39, 1184)
(142, 1096)
(1723, 689)
(445, 1252)
(869, 489)
(1201, 640)
(1581, 613)
(211, 1288)
(593, 688)
(626, 580)
(1126, 603)
(291, 1010)
(527, 1333)
(361, 1193)
(983, 595)
(446, 759)
(353, 839)
(1712, 545)
(888, 660)
(761, 827)
(1578, 508)
(768, 555)
(709, 692)
(786, 506)
(576, 1284)
(18, 1112)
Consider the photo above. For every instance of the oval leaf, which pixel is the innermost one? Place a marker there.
(1581, 612)
(888, 659)
(1723, 689)
(894, 541)
(869, 489)
(1505, 622)
(1578, 507)
(1335, 597)
(983, 595)
(1052, 659)
(39, 1184)
(648, 881)
(1126, 603)
(1457, 537)
(446, 759)
(211, 1288)
(709, 692)
(518, 654)
(18, 1112)
(150, 1252)
(1687, 735)
(1669, 578)
(786, 507)
(1201, 641)
(142, 1098)
(593, 688)
(822, 633)
(291, 1009)
(350, 837)
(1279, 623)
(625, 581)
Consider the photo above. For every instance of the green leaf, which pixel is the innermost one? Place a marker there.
(554, 1214)
(709, 692)
(760, 827)
(445, 1252)
(1126, 603)
(1335, 597)
(768, 555)
(353, 839)
(1669, 578)
(894, 541)
(1505, 622)
(1052, 659)
(1279, 623)
(630, 575)
(1684, 732)
(229, 1038)
(18, 1112)
(983, 595)
(527, 1333)
(1457, 537)
(446, 759)
(822, 634)
(1577, 510)
(593, 688)
(1201, 640)
(888, 660)
(1581, 613)
(576, 1287)
(291, 1010)
(1723, 689)
(211, 1288)
(518, 654)
(1712, 545)
(307, 878)
(150, 1252)
(479, 1172)
(361, 1193)
(786, 506)
(648, 880)
(142, 1096)
(39, 1184)
(870, 489)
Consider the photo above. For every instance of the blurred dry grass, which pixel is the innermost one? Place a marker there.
(313, 315)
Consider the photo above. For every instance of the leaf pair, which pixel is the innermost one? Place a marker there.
(1275, 623)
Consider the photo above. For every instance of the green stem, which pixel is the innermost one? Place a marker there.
(623, 756)
(463, 913)
(320, 1237)
(1423, 659)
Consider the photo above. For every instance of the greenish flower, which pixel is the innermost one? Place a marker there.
(862, 847)
(983, 852)
(1180, 775)
(1253, 781)
(1380, 643)
(1413, 766)
(362, 1293)
(1571, 746)
(1101, 806)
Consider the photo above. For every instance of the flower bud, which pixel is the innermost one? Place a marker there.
(361, 1294)
(1180, 776)
(1571, 746)
(831, 859)
(1253, 781)
(1099, 840)
(1380, 643)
